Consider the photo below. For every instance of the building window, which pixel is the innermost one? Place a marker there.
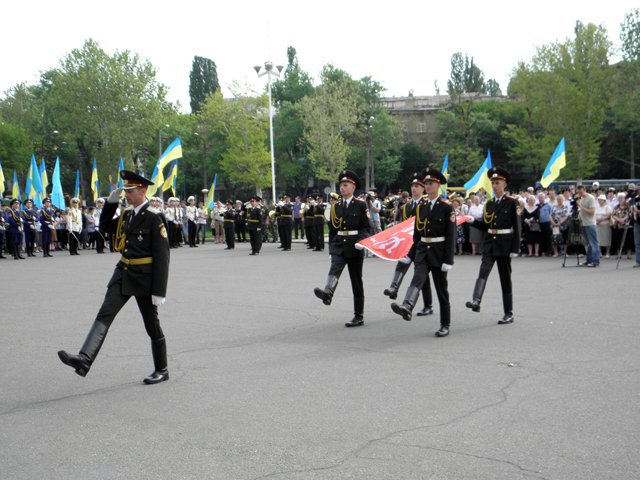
(422, 127)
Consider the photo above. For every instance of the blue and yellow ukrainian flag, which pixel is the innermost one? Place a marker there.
(480, 179)
(212, 192)
(171, 181)
(1, 180)
(16, 186)
(43, 177)
(95, 183)
(558, 162)
(173, 152)
(120, 168)
(445, 171)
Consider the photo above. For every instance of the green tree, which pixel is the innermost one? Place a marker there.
(624, 111)
(292, 166)
(238, 126)
(15, 149)
(329, 117)
(465, 77)
(106, 106)
(564, 92)
(203, 80)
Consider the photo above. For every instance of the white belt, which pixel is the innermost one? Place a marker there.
(503, 231)
(346, 233)
(432, 239)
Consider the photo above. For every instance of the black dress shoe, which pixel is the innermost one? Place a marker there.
(425, 311)
(77, 362)
(508, 318)
(391, 293)
(443, 332)
(356, 321)
(401, 310)
(157, 377)
(252, 253)
(474, 305)
(322, 295)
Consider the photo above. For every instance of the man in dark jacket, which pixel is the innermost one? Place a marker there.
(142, 272)
(434, 245)
(500, 221)
(349, 223)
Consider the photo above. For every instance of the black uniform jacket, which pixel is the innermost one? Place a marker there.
(439, 222)
(348, 219)
(286, 214)
(254, 218)
(500, 216)
(145, 236)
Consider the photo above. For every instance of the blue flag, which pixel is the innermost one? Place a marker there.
(57, 197)
(76, 191)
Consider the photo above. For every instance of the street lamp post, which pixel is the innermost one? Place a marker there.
(268, 71)
(369, 170)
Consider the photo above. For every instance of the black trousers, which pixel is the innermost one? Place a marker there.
(113, 302)
(504, 269)
(354, 264)
(229, 232)
(426, 287)
(241, 231)
(285, 235)
(99, 242)
(255, 237)
(311, 236)
(319, 232)
(74, 242)
(421, 276)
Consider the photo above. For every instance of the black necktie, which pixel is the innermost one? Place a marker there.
(428, 207)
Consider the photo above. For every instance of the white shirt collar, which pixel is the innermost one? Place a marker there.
(137, 209)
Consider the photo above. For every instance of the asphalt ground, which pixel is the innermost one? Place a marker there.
(266, 382)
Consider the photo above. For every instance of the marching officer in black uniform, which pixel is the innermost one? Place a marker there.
(29, 215)
(309, 222)
(241, 226)
(349, 224)
(142, 272)
(229, 224)
(254, 224)
(434, 245)
(500, 221)
(47, 221)
(285, 222)
(319, 219)
(406, 211)
(14, 229)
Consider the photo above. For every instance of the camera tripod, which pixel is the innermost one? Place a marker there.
(575, 240)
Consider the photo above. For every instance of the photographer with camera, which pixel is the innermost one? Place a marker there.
(634, 201)
(585, 204)
(374, 206)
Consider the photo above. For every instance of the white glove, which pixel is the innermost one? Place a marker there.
(446, 267)
(405, 260)
(157, 301)
(114, 197)
(359, 246)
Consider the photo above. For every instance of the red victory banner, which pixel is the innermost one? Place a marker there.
(395, 242)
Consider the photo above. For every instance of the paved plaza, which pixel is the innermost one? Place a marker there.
(267, 383)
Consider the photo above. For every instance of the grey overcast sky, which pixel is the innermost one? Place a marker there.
(405, 45)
